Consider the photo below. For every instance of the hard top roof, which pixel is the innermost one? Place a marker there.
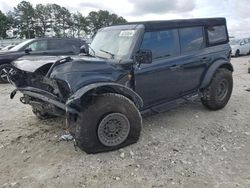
(166, 24)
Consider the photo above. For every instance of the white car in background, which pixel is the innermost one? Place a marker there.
(240, 46)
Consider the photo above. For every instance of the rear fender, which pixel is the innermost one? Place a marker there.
(212, 69)
(100, 87)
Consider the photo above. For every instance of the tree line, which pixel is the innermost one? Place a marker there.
(28, 21)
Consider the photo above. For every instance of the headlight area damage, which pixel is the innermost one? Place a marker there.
(101, 115)
(46, 96)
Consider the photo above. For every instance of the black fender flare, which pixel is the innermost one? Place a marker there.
(212, 69)
(118, 88)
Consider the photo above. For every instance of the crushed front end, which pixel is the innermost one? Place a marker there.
(47, 96)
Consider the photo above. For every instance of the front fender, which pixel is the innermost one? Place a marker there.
(117, 88)
(212, 69)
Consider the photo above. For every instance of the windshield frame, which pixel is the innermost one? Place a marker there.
(21, 46)
(129, 55)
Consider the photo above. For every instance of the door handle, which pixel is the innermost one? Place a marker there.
(175, 67)
(204, 59)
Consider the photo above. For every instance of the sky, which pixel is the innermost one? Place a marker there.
(237, 12)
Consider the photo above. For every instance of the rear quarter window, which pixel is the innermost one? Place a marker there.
(217, 34)
(191, 39)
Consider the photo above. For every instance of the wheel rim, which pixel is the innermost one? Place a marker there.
(113, 129)
(222, 89)
(4, 73)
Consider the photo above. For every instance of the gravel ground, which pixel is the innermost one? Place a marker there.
(186, 147)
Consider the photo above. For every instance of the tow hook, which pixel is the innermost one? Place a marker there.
(23, 100)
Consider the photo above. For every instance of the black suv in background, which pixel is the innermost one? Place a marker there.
(40, 46)
(129, 70)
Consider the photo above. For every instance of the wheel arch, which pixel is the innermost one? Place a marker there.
(104, 87)
(212, 69)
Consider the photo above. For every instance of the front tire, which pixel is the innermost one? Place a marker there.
(237, 53)
(219, 91)
(4, 70)
(110, 122)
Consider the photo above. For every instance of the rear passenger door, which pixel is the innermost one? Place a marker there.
(193, 58)
(179, 60)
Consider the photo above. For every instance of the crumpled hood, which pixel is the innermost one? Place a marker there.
(83, 70)
(32, 63)
(76, 71)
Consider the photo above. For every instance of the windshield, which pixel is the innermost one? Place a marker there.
(21, 45)
(113, 43)
(234, 42)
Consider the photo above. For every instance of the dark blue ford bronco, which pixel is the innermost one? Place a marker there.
(129, 70)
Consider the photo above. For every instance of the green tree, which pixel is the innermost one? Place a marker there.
(25, 14)
(103, 18)
(80, 24)
(43, 18)
(61, 19)
(4, 25)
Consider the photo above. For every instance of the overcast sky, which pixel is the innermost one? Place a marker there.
(237, 12)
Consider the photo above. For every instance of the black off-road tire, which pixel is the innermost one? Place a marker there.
(3, 68)
(219, 91)
(90, 120)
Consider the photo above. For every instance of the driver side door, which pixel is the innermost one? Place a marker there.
(160, 80)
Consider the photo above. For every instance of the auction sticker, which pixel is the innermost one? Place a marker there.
(127, 33)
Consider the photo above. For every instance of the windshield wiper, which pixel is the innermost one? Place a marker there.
(112, 55)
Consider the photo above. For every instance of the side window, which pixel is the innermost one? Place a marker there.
(72, 45)
(40, 45)
(217, 34)
(54, 44)
(67, 45)
(191, 39)
(162, 43)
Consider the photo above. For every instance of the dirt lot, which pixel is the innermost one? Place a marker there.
(185, 147)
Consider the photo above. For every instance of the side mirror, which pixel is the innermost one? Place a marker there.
(27, 50)
(143, 57)
(84, 49)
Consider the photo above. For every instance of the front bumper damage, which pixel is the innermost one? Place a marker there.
(44, 96)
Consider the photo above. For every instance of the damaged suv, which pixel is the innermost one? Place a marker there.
(129, 70)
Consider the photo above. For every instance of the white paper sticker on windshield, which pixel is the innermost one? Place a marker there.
(127, 33)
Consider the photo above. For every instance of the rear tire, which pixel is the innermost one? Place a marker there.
(110, 122)
(219, 91)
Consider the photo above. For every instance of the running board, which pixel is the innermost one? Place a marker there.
(163, 107)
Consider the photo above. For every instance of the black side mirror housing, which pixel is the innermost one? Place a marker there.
(143, 57)
(84, 49)
(27, 50)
